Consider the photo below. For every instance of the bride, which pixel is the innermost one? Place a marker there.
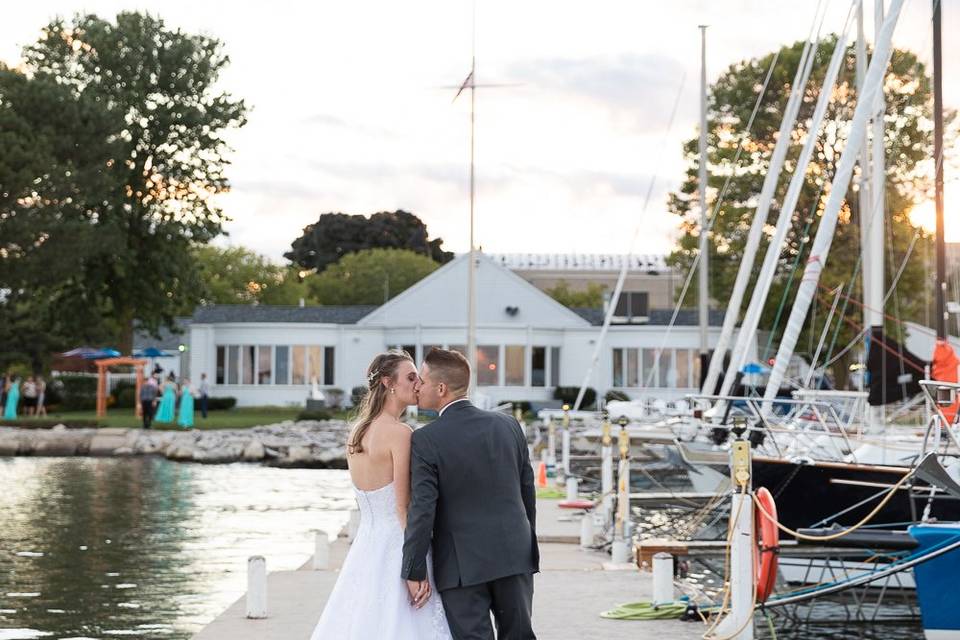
(370, 599)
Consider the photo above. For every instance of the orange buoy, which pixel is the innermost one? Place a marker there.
(542, 475)
(768, 536)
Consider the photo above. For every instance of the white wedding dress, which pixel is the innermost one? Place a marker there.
(370, 599)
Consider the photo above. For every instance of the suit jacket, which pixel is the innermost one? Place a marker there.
(472, 495)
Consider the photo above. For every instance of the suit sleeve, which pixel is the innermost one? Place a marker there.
(527, 489)
(424, 492)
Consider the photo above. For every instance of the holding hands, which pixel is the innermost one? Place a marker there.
(419, 592)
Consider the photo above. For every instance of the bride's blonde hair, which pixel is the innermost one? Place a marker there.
(384, 366)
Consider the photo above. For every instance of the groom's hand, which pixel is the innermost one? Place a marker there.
(419, 592)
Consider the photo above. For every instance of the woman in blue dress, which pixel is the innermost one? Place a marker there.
(13, 398)
(166, 410)
(185, 417)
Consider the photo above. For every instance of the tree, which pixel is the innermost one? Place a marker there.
(150, 198)
(237, 275)
(335, 235)
(371, 276)
(592, 297)
(908, 142)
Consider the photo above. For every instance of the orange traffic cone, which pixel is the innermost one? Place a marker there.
(542, 474)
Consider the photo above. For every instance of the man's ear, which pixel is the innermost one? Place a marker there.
(442, 388)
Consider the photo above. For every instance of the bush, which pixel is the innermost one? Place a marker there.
(314, 415)
(334, 397)
(125, 394)
(569, 395)
(357, 394)
(77, 393)
(523, 404)
(615, 394)
(220, 403)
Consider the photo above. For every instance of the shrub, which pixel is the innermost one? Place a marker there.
(314, 415)
(220, 403)
(124, 394)
(523, 404)
(569, 395)
(615, 394)
(77, 393)
(334, 398)
(357, 394)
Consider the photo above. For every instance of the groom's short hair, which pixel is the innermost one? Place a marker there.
(451, 368)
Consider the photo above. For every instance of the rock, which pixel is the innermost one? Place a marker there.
(254, 451)
(299, 453)
(123, 451)
(59, 443)
(9, 444)
(106, 441)
(59, 427)
(227, 453)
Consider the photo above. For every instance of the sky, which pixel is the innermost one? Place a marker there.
(352, 110)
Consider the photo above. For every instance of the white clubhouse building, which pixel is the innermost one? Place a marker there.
(527, 342)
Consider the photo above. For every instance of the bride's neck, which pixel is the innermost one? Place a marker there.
(393, 408)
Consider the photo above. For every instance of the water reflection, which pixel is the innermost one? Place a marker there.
(145, 547)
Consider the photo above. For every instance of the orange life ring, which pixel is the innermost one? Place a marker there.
(765, 558)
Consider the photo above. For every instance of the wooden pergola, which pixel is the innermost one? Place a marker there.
(102, 366)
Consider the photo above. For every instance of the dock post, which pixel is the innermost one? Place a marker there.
(565, 444)
(551, 449)
(321, 552)
(256, 587)
(662, 578)
(606, 471)
(586, 530)
(621, 549)
(572, 489)
(354, 525)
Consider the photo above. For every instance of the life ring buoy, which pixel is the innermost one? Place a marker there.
(768, 549)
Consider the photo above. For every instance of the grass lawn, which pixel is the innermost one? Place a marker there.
(237, 418)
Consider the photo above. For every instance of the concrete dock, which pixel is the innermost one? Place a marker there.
(569, 594)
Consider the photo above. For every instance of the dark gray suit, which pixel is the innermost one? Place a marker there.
(472, 496)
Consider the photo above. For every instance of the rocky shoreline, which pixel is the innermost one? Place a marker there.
(301, 444)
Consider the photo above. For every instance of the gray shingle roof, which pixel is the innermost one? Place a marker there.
(659, 317)
(222, 313)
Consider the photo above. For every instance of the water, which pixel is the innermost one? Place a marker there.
(144, 547)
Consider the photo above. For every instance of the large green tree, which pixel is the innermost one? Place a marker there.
(908, 142)
(334, 235)
(371, 276)
(237, 275)
(162, 159)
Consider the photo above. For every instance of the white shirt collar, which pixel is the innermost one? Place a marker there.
(444, 408)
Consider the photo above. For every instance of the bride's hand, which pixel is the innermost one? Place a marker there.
(419, 592)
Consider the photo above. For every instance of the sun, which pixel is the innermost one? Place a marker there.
(924, 215)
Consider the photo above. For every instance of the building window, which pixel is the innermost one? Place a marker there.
(665, 370)
(459, 348)
(427, 348)
(281, 365)
(315, 372)
(632, 306)
(554, 366)
(299, 369)
(618, 367)
(633, 368)
(682, 359)
(695, 369)
(264, 365)
(328, 365)
(649, 373)
(513, 362)
(538, 367)
(488, 365)
(221, 365)
(233, 364)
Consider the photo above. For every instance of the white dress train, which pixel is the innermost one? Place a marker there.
(370, 599)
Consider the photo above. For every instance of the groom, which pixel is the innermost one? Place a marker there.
(472, 497)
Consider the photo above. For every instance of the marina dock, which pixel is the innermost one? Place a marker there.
(569, 593)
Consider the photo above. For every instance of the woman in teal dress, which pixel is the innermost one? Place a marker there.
(13, 399)
(185, 418)
(165, 412)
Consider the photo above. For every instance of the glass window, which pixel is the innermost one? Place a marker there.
(695, 369)
(427, 348)
(488, 365)
(459, 347)
(648, 374)
(329, 362)
(264, 365)
(221, 364)
(683, 368)
(618, 367)
(666, 368)
(623, 305)
(554, 366)
(233, 364)
(299, 365)
(633, 367)
(514, 357)
(538, 367)
(638, 304)
(409, 348)
(281, 366)
(248, 363)
(314, 371)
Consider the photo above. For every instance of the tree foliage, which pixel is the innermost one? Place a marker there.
(148, 121)
(591, 297)
(371, 276)
(335, 235)
(908, 142)
(237, 275)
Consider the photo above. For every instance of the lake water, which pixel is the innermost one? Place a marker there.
(144, 547)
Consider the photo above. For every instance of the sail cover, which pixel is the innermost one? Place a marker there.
(895, 372)
(945, 363)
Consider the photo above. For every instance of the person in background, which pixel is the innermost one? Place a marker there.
(204, 391)
(166, 411)
(13, 399)
(41, 396)
(4, 387)
(185, 414)
(29, 396)
(148, 401)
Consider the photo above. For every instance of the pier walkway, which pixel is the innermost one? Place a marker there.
(569, 593)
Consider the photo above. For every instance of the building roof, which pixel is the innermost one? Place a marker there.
(325, 314)
(658, 317)
(652, 264)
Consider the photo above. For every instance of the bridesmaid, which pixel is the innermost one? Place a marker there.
(13, 398)
(166, 410)
(185, 419)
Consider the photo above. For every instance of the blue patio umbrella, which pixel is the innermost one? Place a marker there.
(99, 354)
(753, 367)
(79, 352)
(151, 352)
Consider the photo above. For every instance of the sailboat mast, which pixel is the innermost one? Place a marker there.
(873, 294)
(938, 180)
(472, 265)
(704, 289)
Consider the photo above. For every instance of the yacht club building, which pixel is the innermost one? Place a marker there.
(527, 342)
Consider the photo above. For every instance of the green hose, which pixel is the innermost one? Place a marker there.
(646, 611)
